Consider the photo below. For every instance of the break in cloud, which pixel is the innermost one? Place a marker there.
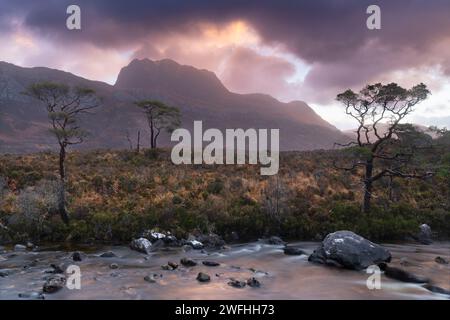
(308, 50)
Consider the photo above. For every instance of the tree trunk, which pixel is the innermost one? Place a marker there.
(138, 141)
(152, 136)
(368, 186)
(62, 189)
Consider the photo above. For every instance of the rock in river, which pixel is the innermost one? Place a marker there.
(253, 282)
(20, 247)
(424, 235)
(293, 251)
(203, 277)
(188, 262)
(76, 256)
(211, 263)
(54, 283)
(236, 283)
(108, 254)
(441, 260)
(31, 296)
(349, 250)
(401, 275)
(6, 272)
(275, 241)
(141, 245)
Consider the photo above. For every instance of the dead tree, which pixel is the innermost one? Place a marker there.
(379, 110)
(64, 107)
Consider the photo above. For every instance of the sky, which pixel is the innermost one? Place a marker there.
(292, 50)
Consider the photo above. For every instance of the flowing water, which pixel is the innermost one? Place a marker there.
(281, 276)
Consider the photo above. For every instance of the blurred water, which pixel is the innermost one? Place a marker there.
(281, 276)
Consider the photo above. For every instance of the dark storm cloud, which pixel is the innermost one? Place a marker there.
(320, 30)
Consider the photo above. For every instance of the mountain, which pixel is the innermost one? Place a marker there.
(382, 129)
(199, 94)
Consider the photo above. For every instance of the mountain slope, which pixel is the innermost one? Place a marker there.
(198, 93)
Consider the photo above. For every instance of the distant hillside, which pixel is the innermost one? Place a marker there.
(382, 128)
(198, 93)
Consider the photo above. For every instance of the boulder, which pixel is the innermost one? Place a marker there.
(195, 244)
(211, 263)
(172, 264)
(76, 256)
(142, 245)
(293, 251)
(57, 268)
(401, 275)
(108, 254)
(54, 283)
(349, 250)
(170, 240)
(188, 262)
(31, 296)
(150, 278)
(6, 272)
(211, 241)
(253, 282)
(274, 240)
(114, 266)
(441, 260)
(20, 247)
(424, 234)
(436, 289)
(203, 277)
(236, 283)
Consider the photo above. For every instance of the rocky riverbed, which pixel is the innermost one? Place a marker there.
(256, 270)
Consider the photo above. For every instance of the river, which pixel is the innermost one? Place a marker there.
(281, 276)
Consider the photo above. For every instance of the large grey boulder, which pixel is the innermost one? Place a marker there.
(424, 235)
(54, 283)
(141, 245)
(349, 250)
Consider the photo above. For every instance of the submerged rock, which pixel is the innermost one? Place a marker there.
(211, 241)
(424, 235)
(142, 245)
(108, 254)
(32, 296)
(203, 277)
(236, 283)
(54, 283)
(349, 250)
(76, 256)
(401, 275)
(274, 240)
(188, 262)
(114, 266)
(195, 244)
(150, 278)
(293, 251)
(172, 264)
(253, 282)
(436, 289)
(211, 263)
(6, 272)
(20, 247)
(57, 268)
(441, 260)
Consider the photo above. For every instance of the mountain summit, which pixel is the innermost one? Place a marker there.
(199, 94)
